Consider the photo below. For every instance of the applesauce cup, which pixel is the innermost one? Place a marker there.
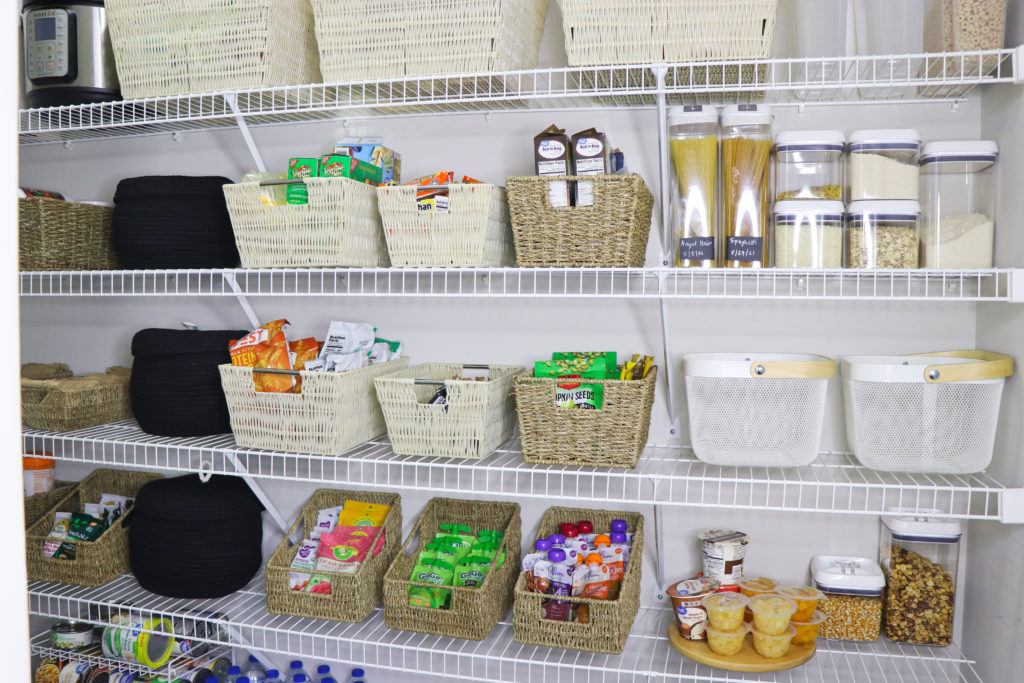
(773, 646)
(807, 631)
(805, 597)
(725, 610)
(755, 585)
(726, 643)
(771, 613)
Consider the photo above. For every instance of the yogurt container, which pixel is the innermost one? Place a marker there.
(723, 551)
(686, 596)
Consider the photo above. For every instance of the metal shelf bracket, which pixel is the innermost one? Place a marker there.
(1011, 506)
(232, 100)
(272, 510)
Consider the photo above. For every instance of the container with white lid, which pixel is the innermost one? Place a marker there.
(746, 156)
(919, 553)
(882, 234)
(883, 163)
(853, 596)
(808, 234)
(809, 164)
(958, 202)
(693, 143)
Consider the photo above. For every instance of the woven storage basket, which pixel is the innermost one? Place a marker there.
(67, 403)
(96, 562)
(174, 47)
(611, 233)
(395, 38)
(336, 411)
(57, 235)
(340, 226)
(473, 612)
(473, 231)
(36, 506)
(477, 417)
(612, 436)
(610, 620)
(353, 596)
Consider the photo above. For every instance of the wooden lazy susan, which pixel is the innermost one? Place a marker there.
(746, 659)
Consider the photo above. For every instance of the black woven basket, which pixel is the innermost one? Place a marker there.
(173, 222)
(190, 539)
(175, 386)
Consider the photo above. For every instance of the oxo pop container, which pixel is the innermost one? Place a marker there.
(932, 412)
(756, 410)
(958, 203)
(852, 603)
(882, 234)
(693, 142)
(808, 234)
(883, 163)
(809, 164)
(919, 554)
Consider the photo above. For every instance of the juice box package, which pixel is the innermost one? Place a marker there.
(301, 167)
(337, 166)
(388, 160)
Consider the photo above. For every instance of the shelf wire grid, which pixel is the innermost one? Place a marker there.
(665, 475)
(648, 656)
(177, 666)
(808, 81)
(993, 284)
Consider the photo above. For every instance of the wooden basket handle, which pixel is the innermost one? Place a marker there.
(785, 369)
(992, 366)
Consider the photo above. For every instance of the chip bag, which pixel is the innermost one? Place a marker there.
(266, 347)
(301, 352)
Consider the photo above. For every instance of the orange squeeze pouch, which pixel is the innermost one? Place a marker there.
(265, 347)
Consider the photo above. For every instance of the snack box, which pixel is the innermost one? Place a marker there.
(301, 167)
(388, 160)
(338, 166)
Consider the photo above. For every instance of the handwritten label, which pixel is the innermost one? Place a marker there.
(697, 249)
(744, 248)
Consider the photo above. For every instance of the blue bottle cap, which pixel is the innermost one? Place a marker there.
(542, 545)
(212, 679)
(327, 679)
(272, 673)
(358, 673)
(300, 678)
(234, 670)
(323, 669)
(556, 555)
(242, 679)
(557, 539)
(296, 664)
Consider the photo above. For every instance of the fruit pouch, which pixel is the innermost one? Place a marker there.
(298, 581)
(326, 520)
(472, 572)
(596, 578)
(561, 585)
(344, 549)
(305, 555)
(492, 551)
(266, 347)
(357, 513)
(460, 534)
(436, 572)
(319, 584)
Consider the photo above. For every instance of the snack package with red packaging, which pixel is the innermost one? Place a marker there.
(266, 347)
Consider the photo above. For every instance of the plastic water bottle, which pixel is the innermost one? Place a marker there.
(295, 669)
(301, 678)
(233, 673)
(256, 672)
(357, 676)
(327, 679)
(323, 671)
(273, 676)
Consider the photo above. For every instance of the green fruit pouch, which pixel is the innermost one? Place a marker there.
(490, 536)
(301, 168)
(462, 535)
(490, 551)
(441, 549)
(472, 572)
(437, 572)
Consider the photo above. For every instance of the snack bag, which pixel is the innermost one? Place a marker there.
(319, 584)
(305, 555)
(326, 520)
(115, 506)
(437, 572)
(346, 338)
(356, 513)
(86, 527)
(383, 350)
(344, 549)
(299, 353)
(343, 362)
(61, 524)
(266, 347)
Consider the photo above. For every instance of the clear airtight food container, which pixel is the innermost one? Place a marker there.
(693, 143)
(852, 604)
(883, 164)
(808, 234)
(809, 164)
(746, 153)
(958, 203)
(919, 554)
(882, 234)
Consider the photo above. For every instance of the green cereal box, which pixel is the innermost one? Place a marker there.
(338, 166)
(301, 167)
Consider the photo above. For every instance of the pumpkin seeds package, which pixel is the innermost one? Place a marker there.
(437, 572)
(266, 347)
(472, 572)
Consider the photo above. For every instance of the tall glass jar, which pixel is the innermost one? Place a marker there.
(882, 234)
(746, 156)
(808, 234)
(958, 203)
(693, 142)
(883, 164)
(809, 164)
(919, 555)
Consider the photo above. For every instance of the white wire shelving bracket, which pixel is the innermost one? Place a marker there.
(648, 656)
(665, 475)
(992, 284)
(883, 79)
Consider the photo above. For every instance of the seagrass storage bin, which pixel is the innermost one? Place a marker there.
(396, 38)
(62, 404)
(336, 411)
(353, 596)
(610, 620)
(57, 235)
(473, 612)
(175, 47)
(474, 230)
(611, 233)
(340, 226)
(96, 562)
(612, 436)
(36, 506)
(477, 417)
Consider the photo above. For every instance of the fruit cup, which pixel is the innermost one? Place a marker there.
(773, 646)
(725, 610)
(805, 597)
(726, 643)
(807, 631)
(771, 613)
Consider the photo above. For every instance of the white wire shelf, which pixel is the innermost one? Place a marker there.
(177, 666)
(874, 79)
(665, 475)
(648, 656)
(992, 284)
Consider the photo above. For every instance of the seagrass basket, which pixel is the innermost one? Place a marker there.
(57, 235)
(63, 404)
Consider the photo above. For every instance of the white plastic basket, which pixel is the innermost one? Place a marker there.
(340, 226)
(756, 410)
(174, 47)
(474, 231)
(394, 38)
(336, 411)
(601, 32)
(929, 413)
(477, 417)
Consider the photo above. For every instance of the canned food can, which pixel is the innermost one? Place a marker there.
(69, 635)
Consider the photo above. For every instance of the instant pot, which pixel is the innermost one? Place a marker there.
(67, 54)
